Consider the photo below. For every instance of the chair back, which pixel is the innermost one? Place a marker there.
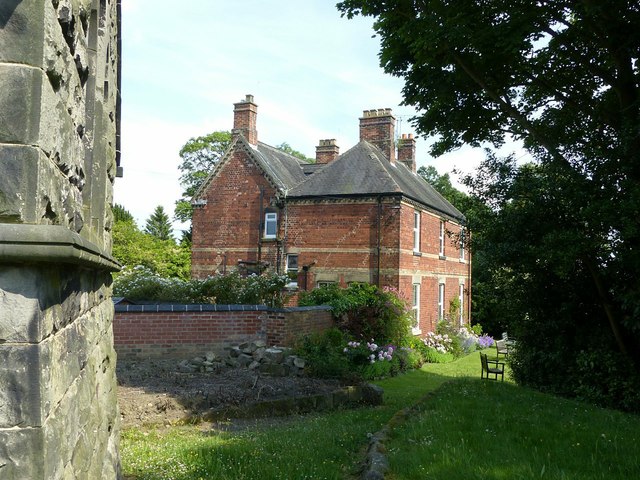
(483, 361)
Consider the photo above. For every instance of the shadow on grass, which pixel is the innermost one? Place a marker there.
(472, 428)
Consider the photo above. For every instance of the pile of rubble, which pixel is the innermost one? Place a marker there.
(255, 355)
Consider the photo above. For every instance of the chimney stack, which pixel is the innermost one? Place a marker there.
(327, 151)
(244, 119)
(378, 127)
(407, 151)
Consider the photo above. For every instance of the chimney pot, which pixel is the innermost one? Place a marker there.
(327, 151)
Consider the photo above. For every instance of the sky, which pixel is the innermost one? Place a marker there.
(311, 73)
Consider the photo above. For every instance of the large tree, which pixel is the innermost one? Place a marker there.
(562, 77)
(199, 156)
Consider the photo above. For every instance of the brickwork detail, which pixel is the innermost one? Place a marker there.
(378, 127)
(180, 334)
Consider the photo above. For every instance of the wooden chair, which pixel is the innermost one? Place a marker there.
(497, 369)
(509, 340)
(502, 348)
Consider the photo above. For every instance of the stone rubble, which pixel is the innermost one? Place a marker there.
(254, 355)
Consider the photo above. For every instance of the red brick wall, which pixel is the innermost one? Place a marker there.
(339, 240)
(428, 268)
(227, 228)
(150, 331)
(285, 327)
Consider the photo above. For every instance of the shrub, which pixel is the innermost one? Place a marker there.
(433, 356)
(332, 355)
(364, 311)
(141, 283)
(441, 343)
(324, 354)
(409, 358)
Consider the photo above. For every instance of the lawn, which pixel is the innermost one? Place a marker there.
(462, 428)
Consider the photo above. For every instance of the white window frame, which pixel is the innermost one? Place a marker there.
(441, 293)
(270, 218)
(442, 238)
(461, 298)
(462, 234)
(416, 230)
(415, 309)
(288, 269)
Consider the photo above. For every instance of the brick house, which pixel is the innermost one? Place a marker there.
(362, 216)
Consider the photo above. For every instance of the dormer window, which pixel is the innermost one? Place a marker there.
(270, 225)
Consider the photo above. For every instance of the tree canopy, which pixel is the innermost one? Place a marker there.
(286, 148)
(562, 77)
(199, 156)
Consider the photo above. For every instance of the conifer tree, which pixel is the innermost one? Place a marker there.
(159, 225)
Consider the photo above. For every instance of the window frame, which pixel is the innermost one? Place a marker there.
(416, 231)
(288, 269)
(462, 235)
(270, 218)
(441, 237)
(415, 308)
(441, 295)
(461, 299)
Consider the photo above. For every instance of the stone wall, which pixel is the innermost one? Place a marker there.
(180, 331)
(59, 96)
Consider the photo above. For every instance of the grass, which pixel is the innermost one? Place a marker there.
(465, 429)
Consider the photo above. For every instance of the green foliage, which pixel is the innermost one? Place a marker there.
(285, 147)
(560, 237)
(364, 311)
(332, 354)
(199, 157)
(120, 214)
(446, 327)
(132, 247)
(158, 225)
(141, 283)
(324, 355)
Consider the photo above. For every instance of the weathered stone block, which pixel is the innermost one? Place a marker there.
(21, 32)
(20, 98)
(274, 355)
(18, 449)
(21, 295)
(23, 368)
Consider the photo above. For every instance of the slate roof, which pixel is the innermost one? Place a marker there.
(364, 170)
(361, 171)
(285, 170)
